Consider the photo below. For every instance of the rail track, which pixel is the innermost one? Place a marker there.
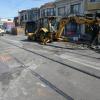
(54, 60)
(44, 80)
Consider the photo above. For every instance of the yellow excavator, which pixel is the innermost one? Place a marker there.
(47, 32)
(74, 18)
(44, 29)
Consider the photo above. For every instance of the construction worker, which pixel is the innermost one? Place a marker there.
(95, 31)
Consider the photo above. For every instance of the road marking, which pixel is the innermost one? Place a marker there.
(31, 65)
(5, 58)
(79, 61)
(41, 84)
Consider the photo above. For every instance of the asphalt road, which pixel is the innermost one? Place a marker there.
(57, 71)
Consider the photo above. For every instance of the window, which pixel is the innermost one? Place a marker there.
(35, 16)
(45, 12)
(75, 9)
(25, 17)
(61, 11)
(50, 12)
(42, 13)
(92, 0)
(22, 18)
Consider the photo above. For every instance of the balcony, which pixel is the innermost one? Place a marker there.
(93, 6)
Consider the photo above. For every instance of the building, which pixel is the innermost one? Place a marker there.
(23, 17)
(5, 20)
(48, 9)
(80, 7)
(28, 15)
(66, 7)
(92, 7)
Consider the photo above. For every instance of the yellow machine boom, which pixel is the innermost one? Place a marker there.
(76, 19)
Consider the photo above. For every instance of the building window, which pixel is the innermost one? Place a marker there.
(92, 0)
(22, 18)
(35, 16)
(45, 12)
(50, 12)
(75, 9)
(42, 13)
(61, 11)
(25, 17)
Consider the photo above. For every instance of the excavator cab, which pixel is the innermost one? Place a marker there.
(46, 27)
(30, 27)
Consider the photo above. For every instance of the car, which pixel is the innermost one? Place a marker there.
(2, 31)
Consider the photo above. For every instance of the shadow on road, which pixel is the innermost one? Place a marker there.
(72, 47)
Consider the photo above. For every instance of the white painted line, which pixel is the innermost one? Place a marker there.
(31, 65)
(80, 61)
(41, 84)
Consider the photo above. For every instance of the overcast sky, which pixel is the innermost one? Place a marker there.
(10, 8)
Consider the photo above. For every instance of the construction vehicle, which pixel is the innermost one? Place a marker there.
(48, 33)
(46, 26)
(30, 27)
(73, 18)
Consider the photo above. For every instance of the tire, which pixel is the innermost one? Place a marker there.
(2, 34)
(29, 39)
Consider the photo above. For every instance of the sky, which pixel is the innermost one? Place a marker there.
(10, 8)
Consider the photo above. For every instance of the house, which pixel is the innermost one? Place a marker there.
(48, 9)
(28, 15)
(80, 7)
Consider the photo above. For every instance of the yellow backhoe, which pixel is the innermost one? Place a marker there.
(64, 21)
(45, 29)
(47, 32)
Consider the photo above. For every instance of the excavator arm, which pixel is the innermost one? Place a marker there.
(77, 19)
(86, 21)
(64, 21)
(61, 27)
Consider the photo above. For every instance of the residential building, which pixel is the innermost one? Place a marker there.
(48, 9)
(92, 7)
(66, 7)
(28, 15)
(5, 20)
(80, 7)
(22, 17)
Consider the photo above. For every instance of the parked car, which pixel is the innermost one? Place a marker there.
(2, 31)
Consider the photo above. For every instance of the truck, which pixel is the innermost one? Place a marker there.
(8, 26)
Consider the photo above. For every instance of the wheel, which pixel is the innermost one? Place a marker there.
(2, 34)
(29, 38)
